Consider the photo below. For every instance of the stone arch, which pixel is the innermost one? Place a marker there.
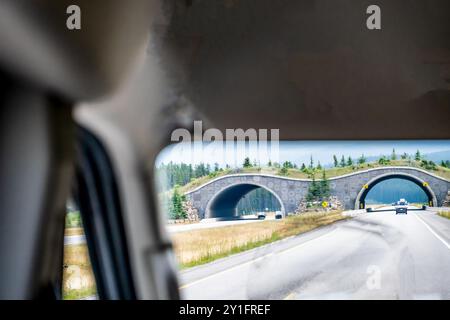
(225, 201)
(360, 199)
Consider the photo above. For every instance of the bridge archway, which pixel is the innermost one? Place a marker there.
(224, 203)
(360, 199)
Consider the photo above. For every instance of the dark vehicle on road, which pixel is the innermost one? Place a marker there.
(401, 210)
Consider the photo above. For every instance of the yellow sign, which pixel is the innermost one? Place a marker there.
(324, 204)
(366, 186)
(425, 184)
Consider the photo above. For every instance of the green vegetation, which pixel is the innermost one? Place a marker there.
(393, 155)
(72, 294)
(205, 245)
(428, 165)
(342, 163)
(445, 164)
(181, 174)
(384, 161)
(306, 172)
(73, 220)
(362, 159)
(418, 156)
(176, 210)
(247, 163)
(318, 191)
(188, 177)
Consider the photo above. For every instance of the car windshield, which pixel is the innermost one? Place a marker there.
(258, 201)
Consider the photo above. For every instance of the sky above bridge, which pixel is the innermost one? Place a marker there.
(300, 151)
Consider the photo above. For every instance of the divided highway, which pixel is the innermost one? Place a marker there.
(376, 255)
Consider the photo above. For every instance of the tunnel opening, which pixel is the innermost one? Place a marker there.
(389, 189)
(242, 200)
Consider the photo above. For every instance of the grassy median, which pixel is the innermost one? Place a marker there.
(445, 214)
(202, 246)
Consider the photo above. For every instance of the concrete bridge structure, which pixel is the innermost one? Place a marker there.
(219, 197)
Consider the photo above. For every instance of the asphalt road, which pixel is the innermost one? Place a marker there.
(372, 256)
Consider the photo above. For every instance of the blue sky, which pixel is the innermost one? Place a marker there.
(298, 152)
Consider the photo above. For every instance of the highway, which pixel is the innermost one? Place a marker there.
(376, 255)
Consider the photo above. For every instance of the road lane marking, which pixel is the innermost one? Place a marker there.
(433, 232)
(255, 260)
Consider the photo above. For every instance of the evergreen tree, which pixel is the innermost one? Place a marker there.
(324, 186)
(393, 155)
(311, 163)
(349, 161)
(200, 170)
(247, 163)
(285, 168)
(270, 163)
(429, 165)
(303, 167)
(362, 159)
(176, 205)
(383, 160)
(342, 163)
(288, 165)
(318, 191)
(418, 156)
(319, 166)
(313, 190)
(216, 167)
(190, 172)
(335, 160)
(404, 156)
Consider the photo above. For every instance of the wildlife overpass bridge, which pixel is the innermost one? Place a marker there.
(219, 197)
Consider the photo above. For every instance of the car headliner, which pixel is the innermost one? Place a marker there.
(310, 68)
(313, 69)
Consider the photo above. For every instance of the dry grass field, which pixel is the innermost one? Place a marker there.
(445, 214)
(203, 246)
(78, 278)
(73, 231)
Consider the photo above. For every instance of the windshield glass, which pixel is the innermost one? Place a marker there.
(315, 220)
